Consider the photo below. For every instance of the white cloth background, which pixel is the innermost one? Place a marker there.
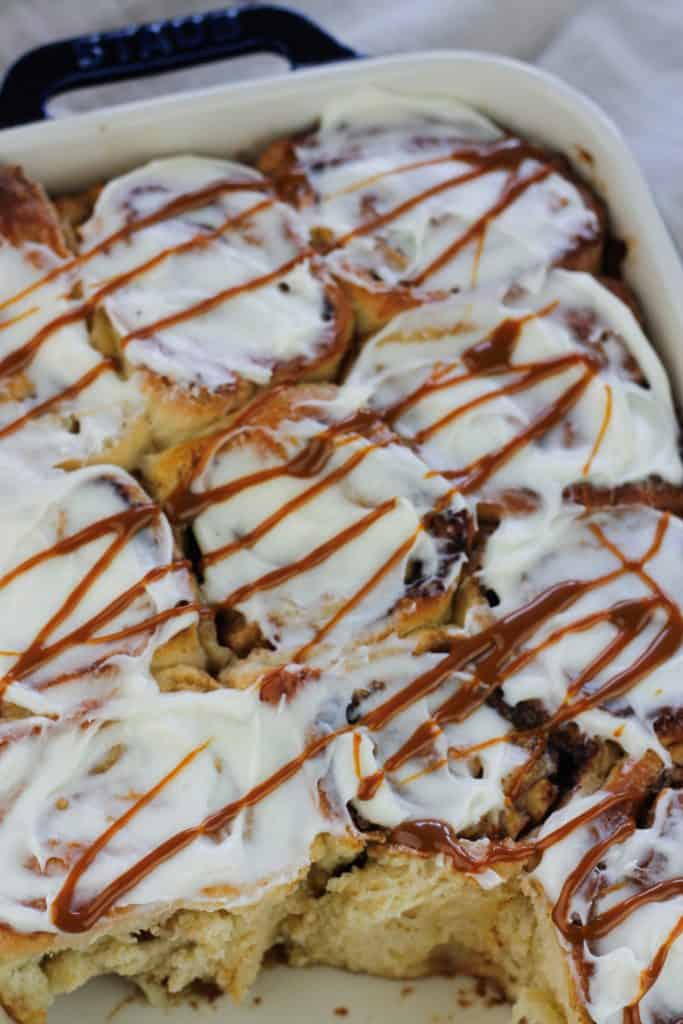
(626, 54)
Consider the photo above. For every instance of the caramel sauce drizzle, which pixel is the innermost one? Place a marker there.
(357, 740)
(509, 153)
(488, 652)
(185, 503)
(650, 974)
(489, 655)
(181, 204)
(71, 391)
(492, 356)
(513, 189)
(473, 477)
(600, 925)
(394, 559)
(21, 357)
(458, 155)
(607, 415)
(429, 835)
(533, 376)
(309, 561)
(122, 526)
(206, 305)
(308, 462)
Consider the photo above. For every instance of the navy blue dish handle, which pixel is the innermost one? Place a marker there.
(160, 46)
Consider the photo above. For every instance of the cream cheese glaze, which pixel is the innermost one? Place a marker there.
(619, 963)
(318, 533)
(218, 287)
(429, 194)
(101, 556)
(432, 782)
(68, 786)
(330, 535)
(217, 774)
(60, 401)
(528, 391)
(610, 658)
(61, 801)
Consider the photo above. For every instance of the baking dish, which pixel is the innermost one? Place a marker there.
(228, 120)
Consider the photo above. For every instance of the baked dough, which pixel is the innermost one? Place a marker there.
(362, 645)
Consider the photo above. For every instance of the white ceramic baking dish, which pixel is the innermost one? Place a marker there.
(237, 118)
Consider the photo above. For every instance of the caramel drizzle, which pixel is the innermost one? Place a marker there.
(457, 155)
(509, 153)
(492, 356)
(532, 376)
(206, 305)
(181, 204)
(607, 415)
(71, 918)
(430, 835)
(651, 973)
(186, 503)
(600, 925)
(489, 356)
(123, 526)
(319, 554)
(513, 189)
(71, 391)
(19, 358)
(488, 652)
(394, 559)
(630, 618)
(309, 461)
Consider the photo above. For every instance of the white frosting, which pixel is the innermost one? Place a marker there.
(376, 507)
(438, 785)
(648, 856)
(56, 802)
(246, 741)
(38, 584)
(244, 335)
(75, 426)
(526, 558)
(360, 165)
(569, 314)
(55, 805)
(100, 735)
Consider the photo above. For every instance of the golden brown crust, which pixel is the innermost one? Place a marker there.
(374, 306)
(26, 214)
(278, 161)
(73, 210)
(176, 413)
(172, 467)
